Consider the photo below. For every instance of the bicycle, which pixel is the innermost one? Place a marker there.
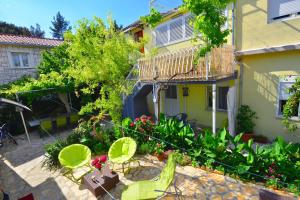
(5, 134)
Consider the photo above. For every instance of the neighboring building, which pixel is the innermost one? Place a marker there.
(180, 85)
(268, 50)
(19, 55)
(266, 37)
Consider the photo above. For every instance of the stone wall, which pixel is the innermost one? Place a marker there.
(8, 72)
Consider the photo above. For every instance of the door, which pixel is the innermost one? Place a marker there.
(171, 106)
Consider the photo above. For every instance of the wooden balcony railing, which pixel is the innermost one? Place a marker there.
(182, 65)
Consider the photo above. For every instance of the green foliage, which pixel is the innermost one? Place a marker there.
(153, 19)
(147, 147)
(6, 28)
(209, 21)
(101, 56)
(245, 119)
(36, 31)
(59, 26)
(291, 107)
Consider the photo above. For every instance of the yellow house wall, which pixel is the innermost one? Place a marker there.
(260, 89)
(253, 30)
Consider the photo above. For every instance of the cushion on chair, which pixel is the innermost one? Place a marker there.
(74, 156)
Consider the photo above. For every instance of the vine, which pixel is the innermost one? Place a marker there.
(291, 107)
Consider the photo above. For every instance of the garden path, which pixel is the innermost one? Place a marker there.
(21, 173)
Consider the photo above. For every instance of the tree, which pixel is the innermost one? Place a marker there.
(36, 31)
(117, 27)
(59, 26)
(6, 28)
(103, 58)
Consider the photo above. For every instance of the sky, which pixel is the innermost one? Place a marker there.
(30, 12)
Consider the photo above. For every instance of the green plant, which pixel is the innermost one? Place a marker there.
(182, 158)
(245, 117)
(146, 148)
(160, 148)
(153, 18)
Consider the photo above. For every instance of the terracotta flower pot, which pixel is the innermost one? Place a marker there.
(160, 157)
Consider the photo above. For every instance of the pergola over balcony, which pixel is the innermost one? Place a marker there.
(181, 66)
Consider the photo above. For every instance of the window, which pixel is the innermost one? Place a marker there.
(176, 30)
(221, 97)
(171, 92)
(282, 9)
(20, 59)
(283, 95)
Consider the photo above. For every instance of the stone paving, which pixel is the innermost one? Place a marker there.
(21, 173)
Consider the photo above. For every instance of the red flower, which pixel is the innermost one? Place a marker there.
(103, 158)
(149, 118)
(98, 165)
(143, 120)
(132, 124)
(95, 161)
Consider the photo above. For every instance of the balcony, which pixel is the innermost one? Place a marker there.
(180, 66)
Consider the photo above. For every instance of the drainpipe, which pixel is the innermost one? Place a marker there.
(233, 21)
(214, 107)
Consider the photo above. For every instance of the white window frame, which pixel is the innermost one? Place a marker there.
(16, 50)
(287, 79)
(288, 16)
(184, 38)
(217, 98)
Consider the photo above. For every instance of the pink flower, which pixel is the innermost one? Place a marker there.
(132, 124)
(103, 158)
(95, 161)
(98, 165)
(137, 119)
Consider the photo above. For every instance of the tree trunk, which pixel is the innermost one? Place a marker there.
(64, 98)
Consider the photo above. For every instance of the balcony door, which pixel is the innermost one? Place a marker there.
(171, 105)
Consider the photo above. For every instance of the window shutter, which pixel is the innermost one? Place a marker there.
(161, 35)
(188, 26)
(283, 90)
(176, 30)
(279, 8)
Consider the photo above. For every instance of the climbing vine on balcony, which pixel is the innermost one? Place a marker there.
(209, 21)
(291, 107)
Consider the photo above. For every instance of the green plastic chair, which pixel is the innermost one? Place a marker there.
(61, 122)
(74, 118)
(152, 189)
(73, 157)
(46, 126)
(122, 152)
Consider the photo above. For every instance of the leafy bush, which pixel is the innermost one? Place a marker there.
(245, 119)
(146, 148)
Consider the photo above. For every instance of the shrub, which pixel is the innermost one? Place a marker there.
(245, 119)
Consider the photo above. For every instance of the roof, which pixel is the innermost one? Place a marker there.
(139, 22)
(28, 41)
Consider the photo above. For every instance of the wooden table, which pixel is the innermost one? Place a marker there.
(99, 183)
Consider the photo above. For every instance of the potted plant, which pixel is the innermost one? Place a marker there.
(245, 123)
(159, 151)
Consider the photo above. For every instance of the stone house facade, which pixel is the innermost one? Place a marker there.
(19, 56)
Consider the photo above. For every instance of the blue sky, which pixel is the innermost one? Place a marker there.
(30, 12)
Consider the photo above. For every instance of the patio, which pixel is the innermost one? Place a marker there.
(21, 174)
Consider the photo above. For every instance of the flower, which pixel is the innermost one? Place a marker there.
(132, 124)
(103, 158)
(137, 119)
(95, 161)
(98, 165)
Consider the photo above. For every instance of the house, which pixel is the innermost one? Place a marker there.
(20, 55)
(267, 40)
(260, 60)
(170, 82)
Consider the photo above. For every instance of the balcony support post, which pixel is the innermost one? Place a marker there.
(214, 107)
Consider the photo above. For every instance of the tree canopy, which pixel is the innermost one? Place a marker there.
(7, 28)
(59, 26)
(36, 31)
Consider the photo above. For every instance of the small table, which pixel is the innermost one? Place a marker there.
(108, 179)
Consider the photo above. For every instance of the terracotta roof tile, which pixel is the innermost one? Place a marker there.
(28, 41)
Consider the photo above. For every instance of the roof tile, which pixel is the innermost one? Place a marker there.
(28, 41)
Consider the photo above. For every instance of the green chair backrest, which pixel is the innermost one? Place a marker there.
(167, 175)
(46, 125)
(125, 147)
(61, 121)
(74, 117)
(74, 156)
